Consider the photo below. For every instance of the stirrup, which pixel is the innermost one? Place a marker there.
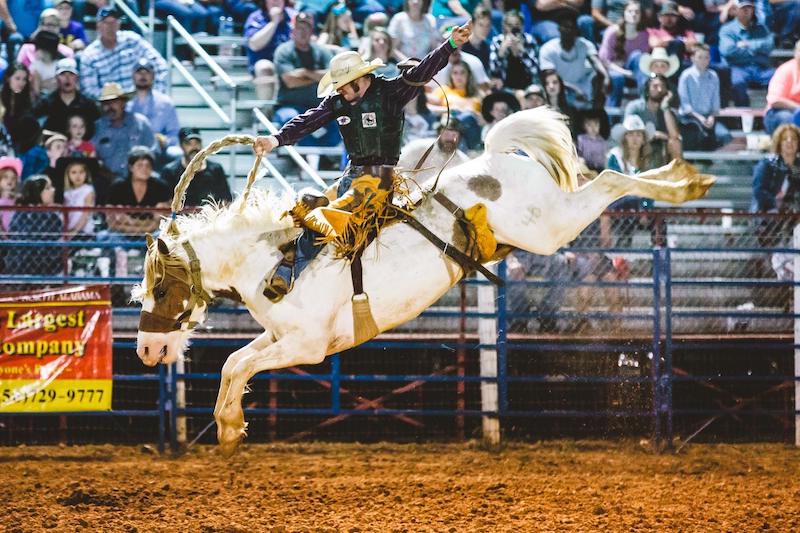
(275, 289)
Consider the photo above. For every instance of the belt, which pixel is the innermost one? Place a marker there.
(382, 171)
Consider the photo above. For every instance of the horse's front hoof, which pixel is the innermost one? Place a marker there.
(229, 440)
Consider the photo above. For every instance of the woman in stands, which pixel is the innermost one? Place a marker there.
(776, 178)
(16, 95)
(413, 30)
(35, 226)
(622, 46)
(380, 47)
(462, 94)
(339, 31)
(556, 95)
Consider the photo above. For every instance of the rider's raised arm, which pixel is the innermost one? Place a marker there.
(305, 123)
(408, 85)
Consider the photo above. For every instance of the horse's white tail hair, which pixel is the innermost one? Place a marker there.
(543, 135)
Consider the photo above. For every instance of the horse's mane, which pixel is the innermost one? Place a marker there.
(261, 209)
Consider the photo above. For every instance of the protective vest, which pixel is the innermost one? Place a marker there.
(372, 135)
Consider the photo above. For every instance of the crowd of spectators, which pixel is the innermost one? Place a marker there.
(87, 123)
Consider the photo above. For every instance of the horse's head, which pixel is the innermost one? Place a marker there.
(172, 304)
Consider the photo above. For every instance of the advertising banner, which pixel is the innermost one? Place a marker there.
(55, 350)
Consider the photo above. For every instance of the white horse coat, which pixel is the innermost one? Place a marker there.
(532, 204)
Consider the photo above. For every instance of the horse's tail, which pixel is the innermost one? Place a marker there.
(543, 135)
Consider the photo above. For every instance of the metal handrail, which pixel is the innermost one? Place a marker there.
(137, 21)
(174, 26)
(151, 17)
(194, 45)
(201, 90)
(262, 118)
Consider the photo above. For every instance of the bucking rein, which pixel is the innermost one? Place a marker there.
(480, 241)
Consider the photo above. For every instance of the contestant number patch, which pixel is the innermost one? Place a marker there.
(368, 120)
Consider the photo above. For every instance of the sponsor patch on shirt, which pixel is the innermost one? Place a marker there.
(343, 121)
(368, 120)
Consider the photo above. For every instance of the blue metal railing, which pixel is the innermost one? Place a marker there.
(662, 344)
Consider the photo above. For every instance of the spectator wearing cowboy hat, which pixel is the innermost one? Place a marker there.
(67, 100)
(48, 22)
(653, 107)
(369, 112)
(43, 66)
(112, 56)
(300, 64)
(659, 62)
(159, 110)
(118, 130)
(746, 45)
(495, 107)
(631, 155)
(210, 182)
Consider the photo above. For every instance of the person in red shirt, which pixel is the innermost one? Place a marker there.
(783, 95)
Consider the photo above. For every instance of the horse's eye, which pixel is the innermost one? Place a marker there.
(159, 293)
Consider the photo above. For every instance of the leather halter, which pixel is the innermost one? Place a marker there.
(164, 324)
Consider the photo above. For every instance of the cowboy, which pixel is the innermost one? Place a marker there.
(369, 111)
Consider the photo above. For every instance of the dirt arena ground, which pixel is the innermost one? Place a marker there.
(551, 486)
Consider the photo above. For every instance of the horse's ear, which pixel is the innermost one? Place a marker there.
(163, 249)
(149, 240)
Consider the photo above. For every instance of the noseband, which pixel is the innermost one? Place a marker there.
(156, 323)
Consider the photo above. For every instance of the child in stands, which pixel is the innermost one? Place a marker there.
(78, 146)
(10, 169)
(592, 146)
(78, 192)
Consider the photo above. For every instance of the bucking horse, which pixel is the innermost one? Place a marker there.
(527, 179)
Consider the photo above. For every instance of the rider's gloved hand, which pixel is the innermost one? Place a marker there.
(264, 144)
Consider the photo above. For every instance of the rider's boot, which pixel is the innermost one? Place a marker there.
(280, 283)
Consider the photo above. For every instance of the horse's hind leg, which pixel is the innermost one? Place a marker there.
(255, 346)
(281, 354)
(567, 214)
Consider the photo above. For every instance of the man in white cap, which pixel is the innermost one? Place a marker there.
(67, 100)
(369, 112)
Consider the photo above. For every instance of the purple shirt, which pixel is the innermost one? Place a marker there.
(593, 150)
(607, 52)
(400, 94)
(255, 22)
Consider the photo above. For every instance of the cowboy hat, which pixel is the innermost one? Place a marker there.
(660, 54)
(11, 162)
(111, 91)
(498, 96)
(91, 164)
(344, 68)
(632, 123)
